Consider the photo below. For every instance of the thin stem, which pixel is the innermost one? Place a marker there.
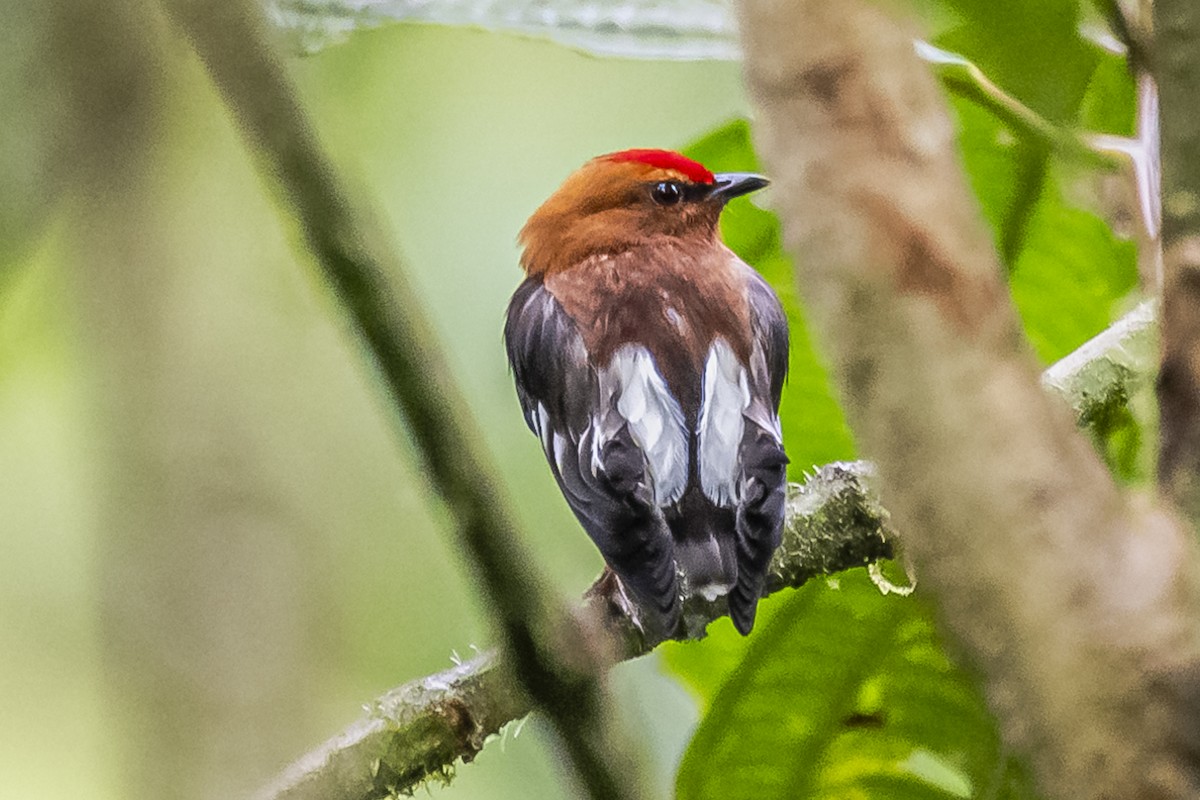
(966, 80)
(556, 665)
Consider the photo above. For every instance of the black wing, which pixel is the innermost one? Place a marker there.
(768, 323)
(598, 465)
(763, 481)
(548, 360)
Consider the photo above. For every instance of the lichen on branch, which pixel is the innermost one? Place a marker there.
(419, 730)
(835, 521)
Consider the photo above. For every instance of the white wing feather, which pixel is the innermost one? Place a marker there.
(723, 404)
(654, 417)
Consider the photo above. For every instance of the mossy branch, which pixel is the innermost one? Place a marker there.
(835, 522)
(1101, 375)
(417, 731)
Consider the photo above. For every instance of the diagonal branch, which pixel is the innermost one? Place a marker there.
(417, 731)
(1101, 376)
(968, 81)
(556, 662)
(1076, 604)
(1177, 24)
(420, 729)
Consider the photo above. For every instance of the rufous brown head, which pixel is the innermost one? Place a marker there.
(625, 200)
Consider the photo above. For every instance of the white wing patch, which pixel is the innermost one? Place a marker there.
(654, 417)
(760, 411)
(726, 397)
(553, 442)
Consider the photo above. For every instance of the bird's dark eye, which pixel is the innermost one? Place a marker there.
(667, 193)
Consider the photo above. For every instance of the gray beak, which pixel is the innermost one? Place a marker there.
(728, 185)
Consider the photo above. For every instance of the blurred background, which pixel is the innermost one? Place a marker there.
(214, 544)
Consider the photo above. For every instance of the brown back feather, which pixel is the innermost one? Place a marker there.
(672, 298)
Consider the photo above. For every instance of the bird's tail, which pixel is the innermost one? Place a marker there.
(705, 547)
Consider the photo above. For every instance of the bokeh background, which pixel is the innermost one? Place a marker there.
(214, 545)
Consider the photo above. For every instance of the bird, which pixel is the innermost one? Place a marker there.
(649, 360)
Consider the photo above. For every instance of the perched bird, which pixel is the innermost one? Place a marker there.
(649, 360)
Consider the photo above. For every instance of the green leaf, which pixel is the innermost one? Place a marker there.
(703, 666)
(1017, 45)
(1068, 270)
(1111, 98)
(1006, 173)
(1030, 48)
(995, 161)
(844, 693)
(1071, 272)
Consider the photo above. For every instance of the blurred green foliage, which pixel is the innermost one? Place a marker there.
(845, 694)
(186, 425)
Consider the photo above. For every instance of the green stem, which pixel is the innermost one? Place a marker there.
(554, 664)
(966, 80)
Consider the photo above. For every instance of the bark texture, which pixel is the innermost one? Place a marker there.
(1177, 24)
(1077, 605)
